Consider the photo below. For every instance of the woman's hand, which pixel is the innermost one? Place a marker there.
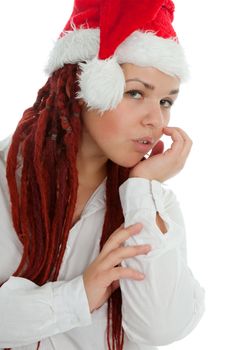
(162, 166)
(102, 276)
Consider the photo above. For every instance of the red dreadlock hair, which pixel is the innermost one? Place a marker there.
(43, 203)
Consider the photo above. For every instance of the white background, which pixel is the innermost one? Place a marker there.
(204, 110)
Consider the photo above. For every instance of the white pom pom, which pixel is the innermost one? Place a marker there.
(102, 84)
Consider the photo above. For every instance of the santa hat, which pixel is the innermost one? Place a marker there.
(102, 34)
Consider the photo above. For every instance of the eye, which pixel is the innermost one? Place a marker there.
(136, 94)
(166, 103)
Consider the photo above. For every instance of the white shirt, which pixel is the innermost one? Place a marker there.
(162, 308)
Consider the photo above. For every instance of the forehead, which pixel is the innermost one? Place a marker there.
(150, 75)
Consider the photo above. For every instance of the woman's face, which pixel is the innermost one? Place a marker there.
(140, 116)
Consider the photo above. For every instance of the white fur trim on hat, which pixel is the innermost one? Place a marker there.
(141, 48)
(102, 81)
(75, 46)
(146, 49)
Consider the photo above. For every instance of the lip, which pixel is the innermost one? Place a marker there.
(149, 139)
(142, 148)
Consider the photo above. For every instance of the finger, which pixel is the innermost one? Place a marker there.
(120, 236)
(187, 143)
(119, 228)
(184, 155)
(178, 141)
(125, 272)
(116, 256)
(117, 273)
(183, 134)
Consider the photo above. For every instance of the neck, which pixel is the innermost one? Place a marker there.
(90, 176)
(91, 161)
(91, 168)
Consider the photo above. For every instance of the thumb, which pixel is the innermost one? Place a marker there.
(158, 148)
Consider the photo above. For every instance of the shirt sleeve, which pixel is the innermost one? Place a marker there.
(28, 312)
(169, 302)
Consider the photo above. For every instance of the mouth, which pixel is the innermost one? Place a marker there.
(143, 146)
(146, 140)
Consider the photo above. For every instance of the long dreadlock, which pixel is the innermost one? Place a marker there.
(45, 143)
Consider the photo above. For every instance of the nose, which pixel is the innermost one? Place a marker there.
(154, 117)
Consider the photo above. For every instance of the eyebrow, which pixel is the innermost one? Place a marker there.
(151, 87)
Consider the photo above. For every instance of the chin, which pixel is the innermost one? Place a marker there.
(127, 162)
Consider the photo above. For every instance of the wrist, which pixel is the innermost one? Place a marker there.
(143, 176)
(135, 174)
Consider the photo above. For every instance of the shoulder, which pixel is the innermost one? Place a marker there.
(10, 247)
(4, 148)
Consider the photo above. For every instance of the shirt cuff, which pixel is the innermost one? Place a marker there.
(140, 199)
(31, 313)
(139, 193)
(71, 305)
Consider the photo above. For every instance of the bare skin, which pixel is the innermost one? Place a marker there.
(101, 278)
(103, 273)
(110, 137)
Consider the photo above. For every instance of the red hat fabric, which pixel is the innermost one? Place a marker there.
(106, 33)
(115, 27)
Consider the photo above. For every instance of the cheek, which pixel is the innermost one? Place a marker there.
(166, 117)
(104, 132)
(107, 130)
(111, 129)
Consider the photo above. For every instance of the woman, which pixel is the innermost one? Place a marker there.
(93, 242)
